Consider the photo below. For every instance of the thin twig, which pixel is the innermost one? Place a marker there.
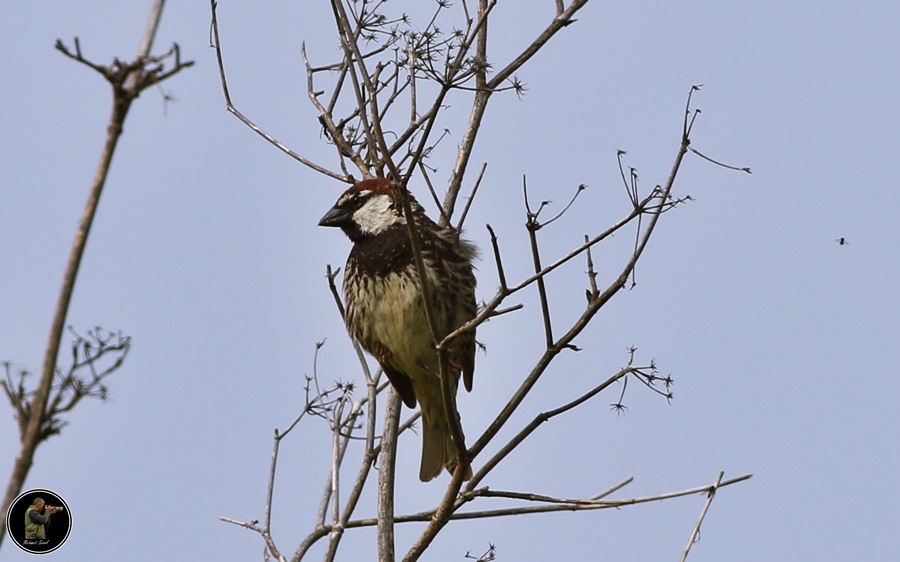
(551, 508)
(500, 273)
(465, 212)
(593, 292)
(696, 532)
(539, 419)
(532, 225)
(717, 163)
(230, 107)
(148, 71)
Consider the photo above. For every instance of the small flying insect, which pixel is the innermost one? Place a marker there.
(841, 241)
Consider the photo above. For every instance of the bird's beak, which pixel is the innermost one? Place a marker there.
(335, 217)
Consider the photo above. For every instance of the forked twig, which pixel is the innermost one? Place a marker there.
(696, 532)
(246, 121)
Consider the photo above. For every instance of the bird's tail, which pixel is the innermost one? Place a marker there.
(438, 449)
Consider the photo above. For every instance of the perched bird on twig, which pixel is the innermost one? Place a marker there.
(385, 309)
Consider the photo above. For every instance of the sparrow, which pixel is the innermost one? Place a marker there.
(385, 305)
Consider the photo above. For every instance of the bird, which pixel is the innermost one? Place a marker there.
(385, 309)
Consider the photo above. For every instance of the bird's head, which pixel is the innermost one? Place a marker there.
(367, 209)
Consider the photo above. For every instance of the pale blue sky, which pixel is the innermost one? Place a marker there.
(206, 251)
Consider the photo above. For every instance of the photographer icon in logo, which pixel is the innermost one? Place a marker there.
(38, 521)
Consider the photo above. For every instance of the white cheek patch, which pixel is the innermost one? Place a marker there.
(376, 215)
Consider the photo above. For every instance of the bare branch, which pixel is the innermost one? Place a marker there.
(528, 429)
(717, 163)
(532, 225)
(591, 273)
(245, 120)
(254, 526)
(386, 479)
(494, 244)
(128, 80)
(696, 532)
(462, 217)
(335, 132)
(552, 508)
